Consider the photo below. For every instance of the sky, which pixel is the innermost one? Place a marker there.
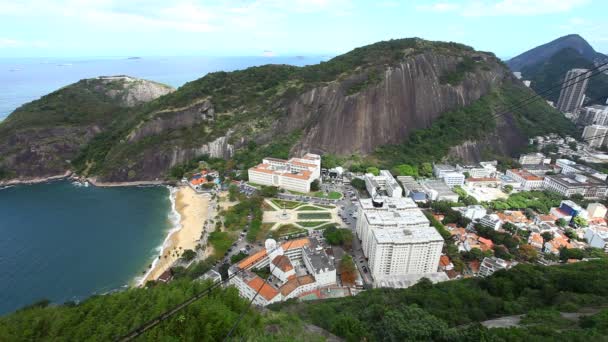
(79, 28)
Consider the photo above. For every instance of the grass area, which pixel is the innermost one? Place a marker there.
(263, 233)
(314, 216)
(330, 195)
(310, 224)
(220, 241)
(310, 207)
(287, 204)
(326, 206)
(288, 230)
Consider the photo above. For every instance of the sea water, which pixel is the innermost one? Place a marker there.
(63, 242)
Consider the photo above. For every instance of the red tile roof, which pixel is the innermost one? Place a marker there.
(266, 290)
(283, 263)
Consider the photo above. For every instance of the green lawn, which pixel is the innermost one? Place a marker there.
(220, 241)
(310, 224)
(314, 216)
(330, 195)
(310, 208)
(287, 204)
(287, 230)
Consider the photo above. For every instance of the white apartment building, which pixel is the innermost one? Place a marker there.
(404, 251)
(533, 159)
(527, 180)
(489, 265)
(295, 174)
(597, 210)
(440, 169)
(379, 204)
(384, 182)
(573, 92)
(597, 237)
(595, 135)
(594, 115)
(491, 221)
(453, 179)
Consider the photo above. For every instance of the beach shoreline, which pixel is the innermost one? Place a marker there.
(189, 211)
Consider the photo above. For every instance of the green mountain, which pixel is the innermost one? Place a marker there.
(390, 101)
(448, 311)
(542, 53)
(552, 71)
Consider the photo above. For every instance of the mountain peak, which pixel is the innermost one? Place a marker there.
(545, 51)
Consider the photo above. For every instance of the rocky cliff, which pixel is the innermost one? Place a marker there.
(357, 103)
(40, 139)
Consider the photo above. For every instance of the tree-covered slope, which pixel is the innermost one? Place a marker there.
(40, 138)
(451, 311)
(552, 71)
(448, 311)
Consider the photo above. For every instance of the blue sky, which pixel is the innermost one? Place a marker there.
(78, 28)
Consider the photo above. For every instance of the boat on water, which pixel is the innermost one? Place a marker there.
(81, 183)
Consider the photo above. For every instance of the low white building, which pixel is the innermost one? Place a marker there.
(527, 180)
(491, 221)
(596, 210)
(533, 159)
(570, 184)
(384, 182)
(474, 212)
(453, 179)
(597, 237)
(489, 265)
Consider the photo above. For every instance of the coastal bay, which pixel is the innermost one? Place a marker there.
(63, 242)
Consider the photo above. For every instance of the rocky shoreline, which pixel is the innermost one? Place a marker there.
(69, 175)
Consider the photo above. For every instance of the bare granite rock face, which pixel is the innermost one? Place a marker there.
(129, 91)
(409, 96)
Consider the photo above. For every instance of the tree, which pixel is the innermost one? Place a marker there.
(315, 185)
(405, 170)
(573, 146)
(473, 254)
(188, 254)
(269, 191)
(358, 183)
(579, 221)
(425, 169)
(527, 253)
(509, 227)
(373, 170)
(570, 233)
(348, 270)
(237, 257)
(502, 252)
(561, 222)
(547, 236)
(233, 191)
(508, 188)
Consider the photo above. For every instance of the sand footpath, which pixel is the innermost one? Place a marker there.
(193, 209)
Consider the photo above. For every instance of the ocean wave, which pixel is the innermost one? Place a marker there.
(175, 219)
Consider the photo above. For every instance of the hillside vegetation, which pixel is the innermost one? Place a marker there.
(449, 311)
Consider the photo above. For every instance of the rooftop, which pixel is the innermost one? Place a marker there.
(407, 236)
(319, 260)
(388, 203)
(526, 175)
(396, 218)
(283, 263)
(574, 181)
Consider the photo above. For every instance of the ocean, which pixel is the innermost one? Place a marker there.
(63, 242)
(27, 79)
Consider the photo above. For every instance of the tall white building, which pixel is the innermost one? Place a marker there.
(404, 251)
(572, 94)
(384, 182)
(294, 174)
(595, 135)
(397, 238)
(594, 115)
(453, 179)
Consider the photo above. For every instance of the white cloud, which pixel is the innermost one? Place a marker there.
(14, 43)
(479, 8)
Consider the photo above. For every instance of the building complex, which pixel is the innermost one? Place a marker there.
(573, 92)
(296, 174)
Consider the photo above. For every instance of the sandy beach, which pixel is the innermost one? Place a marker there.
(193, 209)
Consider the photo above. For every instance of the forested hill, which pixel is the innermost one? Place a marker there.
(449, 311)
(382, 100)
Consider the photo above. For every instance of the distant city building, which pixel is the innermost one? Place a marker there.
(533, 159)
(384, 183)
(453, 179)
(481, 170)
(438, 190)
(527, 180)
(594, 115)
(597, 237)
(294, 174)
(489, 265)
(595, 135)
(570, 184)
(490, 221)
(596, 210)
(569, 167)
(440, 169)
(573, 91)
(412, 188)
(474, 212)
